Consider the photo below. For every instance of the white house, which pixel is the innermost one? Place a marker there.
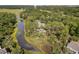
(40, 24)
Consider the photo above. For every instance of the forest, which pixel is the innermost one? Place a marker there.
(48, 29)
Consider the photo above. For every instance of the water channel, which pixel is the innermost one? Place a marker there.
(20, 36)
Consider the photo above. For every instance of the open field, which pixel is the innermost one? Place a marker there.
(14, 11)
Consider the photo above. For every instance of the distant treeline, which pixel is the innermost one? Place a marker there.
(38, 6)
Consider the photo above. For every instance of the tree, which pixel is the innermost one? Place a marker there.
(58, 33)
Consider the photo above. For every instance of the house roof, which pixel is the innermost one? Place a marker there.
(3, 51)
(74, 46)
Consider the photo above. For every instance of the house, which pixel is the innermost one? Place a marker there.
(74, 46)
(3, 51)
(40, 24)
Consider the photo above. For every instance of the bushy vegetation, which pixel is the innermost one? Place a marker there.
(7, 22)
(58, 26)
(7, 25)
(48, 29)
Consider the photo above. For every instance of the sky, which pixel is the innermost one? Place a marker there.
(39, 2)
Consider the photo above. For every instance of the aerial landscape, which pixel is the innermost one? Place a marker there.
(39, 29)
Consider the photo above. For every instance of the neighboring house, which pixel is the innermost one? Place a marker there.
(40, 24)
(3, 51)
(40, 30)
(74, 46)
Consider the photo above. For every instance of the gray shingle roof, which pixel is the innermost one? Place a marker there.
(3, 51)
(74, 46)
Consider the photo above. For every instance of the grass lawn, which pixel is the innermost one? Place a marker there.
(15, 11)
